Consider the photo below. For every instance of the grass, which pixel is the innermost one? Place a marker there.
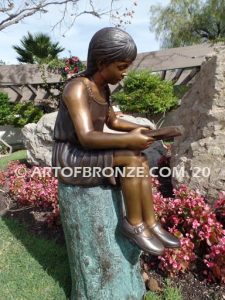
(17, 155)
(31, 268)
(169, 293)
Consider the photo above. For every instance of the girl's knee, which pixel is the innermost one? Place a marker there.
(130, 158)
(136, 161)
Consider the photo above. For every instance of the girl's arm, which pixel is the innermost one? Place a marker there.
(76, 99)
(121, 125)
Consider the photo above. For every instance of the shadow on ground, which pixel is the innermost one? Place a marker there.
(47, 253)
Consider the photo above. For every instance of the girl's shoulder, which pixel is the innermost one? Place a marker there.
(76, 82)
(75, 89)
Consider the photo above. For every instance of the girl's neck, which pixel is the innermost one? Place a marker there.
(99, 80)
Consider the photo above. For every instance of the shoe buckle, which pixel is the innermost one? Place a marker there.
(139, 229)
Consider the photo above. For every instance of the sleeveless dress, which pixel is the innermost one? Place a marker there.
(68, 154)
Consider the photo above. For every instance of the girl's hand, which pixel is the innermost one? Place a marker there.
(139, 141)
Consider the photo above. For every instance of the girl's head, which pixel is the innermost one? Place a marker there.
(109, 45)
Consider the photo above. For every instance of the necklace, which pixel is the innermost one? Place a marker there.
(101, 100)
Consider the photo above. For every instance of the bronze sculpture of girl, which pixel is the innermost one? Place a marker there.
(81, 142)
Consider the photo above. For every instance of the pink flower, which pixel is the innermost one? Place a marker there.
(75, 59)
(175, 265)
(211, 221)
(222, 195)
(195, 224)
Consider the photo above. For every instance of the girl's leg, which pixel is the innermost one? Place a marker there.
(137, 193)
(146, 195)
(131, 186)
(133, 226)
(154, 226)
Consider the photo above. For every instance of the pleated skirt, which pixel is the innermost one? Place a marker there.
(77, 166)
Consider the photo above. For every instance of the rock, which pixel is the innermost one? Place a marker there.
(104, 265)
(153, 285)
(138, 120)
(200, 152)
(154, 153)
(145, 276)
(38, 140)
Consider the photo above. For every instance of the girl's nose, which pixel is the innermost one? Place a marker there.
(124, 74)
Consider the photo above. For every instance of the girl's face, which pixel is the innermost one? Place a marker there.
(114, 72)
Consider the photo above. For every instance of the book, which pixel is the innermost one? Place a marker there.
(165, 133)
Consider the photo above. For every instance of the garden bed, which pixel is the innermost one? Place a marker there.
(34, 218)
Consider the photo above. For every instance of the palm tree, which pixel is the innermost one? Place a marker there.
(37, 48)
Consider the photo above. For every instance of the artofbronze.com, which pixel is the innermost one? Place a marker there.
(114, 171)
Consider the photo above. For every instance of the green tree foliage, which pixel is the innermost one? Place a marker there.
(144, 92)
(37, 48)
(5, 108)
(18, 114)
(183, 23)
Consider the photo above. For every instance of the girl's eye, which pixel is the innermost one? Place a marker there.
(121, 68)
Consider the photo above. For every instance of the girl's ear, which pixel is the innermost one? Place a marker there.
(101, 64)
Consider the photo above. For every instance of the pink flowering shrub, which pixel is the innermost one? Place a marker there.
(72, 66)
(2, 178)
(202, 236)
(176, 261)
(215, 262)
(33, 186)
(219, 207)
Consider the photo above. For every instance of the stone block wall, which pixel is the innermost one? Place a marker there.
(200, 152)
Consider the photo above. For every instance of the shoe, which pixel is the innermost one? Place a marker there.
(137, 234)
(168, 240)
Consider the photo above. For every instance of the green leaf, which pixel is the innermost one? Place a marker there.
(144, 92)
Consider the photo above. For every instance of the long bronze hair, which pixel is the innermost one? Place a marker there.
(108, 45)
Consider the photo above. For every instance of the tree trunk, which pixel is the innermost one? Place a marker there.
(104, 265)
